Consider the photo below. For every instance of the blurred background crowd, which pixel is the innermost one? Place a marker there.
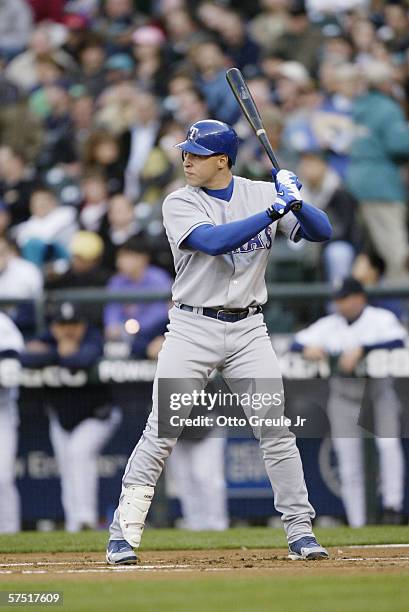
(95, 93)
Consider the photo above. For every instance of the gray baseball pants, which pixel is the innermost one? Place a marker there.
(196, 345)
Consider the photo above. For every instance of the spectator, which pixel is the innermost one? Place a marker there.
(138, 324)
(19, 279)
(16, 184)
(298, 99)
(46, 234)
(78, 432)
(117, 108)
(103, 155)
(76, 25)
(15, 26)
(210, 64)
(270, 23)
(381, 142)
(48, 72)
(239, 46)
(82, 113)
(118, 68)
(92, 59)
(182, 33)
(152, 66)
(120, 225)
(333, 127)
(58, 146)
(19, 128)
(369, 269)
(180, 82)
(139, 141)
(117, 24)
(95, 202)
(395, 30)
(191, 106)
(301, 40)
(85, 271)
(322, 186)
(22, 71)
(363, 35)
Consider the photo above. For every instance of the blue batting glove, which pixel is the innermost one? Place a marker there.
(288, 194)
(288, 187)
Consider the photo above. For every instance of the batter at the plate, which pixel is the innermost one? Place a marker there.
(221, 228)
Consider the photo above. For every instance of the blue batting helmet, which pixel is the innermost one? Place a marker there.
(209, 137)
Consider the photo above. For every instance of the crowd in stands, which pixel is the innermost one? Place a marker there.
(95, 93)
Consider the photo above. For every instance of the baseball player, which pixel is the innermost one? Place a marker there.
(11, 345)
(220, 229)
(350, 333)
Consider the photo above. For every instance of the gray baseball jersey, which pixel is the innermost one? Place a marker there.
(233, 280)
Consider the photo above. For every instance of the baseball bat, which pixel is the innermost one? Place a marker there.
(243, 96)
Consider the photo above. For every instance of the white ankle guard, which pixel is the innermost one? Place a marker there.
(134, 505)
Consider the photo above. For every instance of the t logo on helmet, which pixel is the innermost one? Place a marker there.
(193, 133)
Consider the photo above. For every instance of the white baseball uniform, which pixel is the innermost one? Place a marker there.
(10, 340)
(196, 344)
(336, 335)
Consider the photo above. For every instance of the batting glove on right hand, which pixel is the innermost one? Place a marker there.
(288, 194)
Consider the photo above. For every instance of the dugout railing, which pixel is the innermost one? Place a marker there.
(277, 292)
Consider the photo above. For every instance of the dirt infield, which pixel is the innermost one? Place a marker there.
(91, 566)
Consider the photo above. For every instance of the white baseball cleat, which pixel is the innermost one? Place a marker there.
(307, 549)
(120, 552)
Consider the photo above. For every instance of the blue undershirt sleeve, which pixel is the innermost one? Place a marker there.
(391, 344)
(296, 347)
(219, 239)
(314, 223)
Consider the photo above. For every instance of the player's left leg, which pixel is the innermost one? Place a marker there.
(253, 361)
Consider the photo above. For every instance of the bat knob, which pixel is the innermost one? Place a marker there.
(296, 205)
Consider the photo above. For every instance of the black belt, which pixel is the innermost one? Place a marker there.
(222, 314)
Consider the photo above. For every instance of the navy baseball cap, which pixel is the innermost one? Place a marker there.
(66, 312)
(348, 286)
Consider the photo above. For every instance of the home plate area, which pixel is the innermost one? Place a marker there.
(347, 559)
